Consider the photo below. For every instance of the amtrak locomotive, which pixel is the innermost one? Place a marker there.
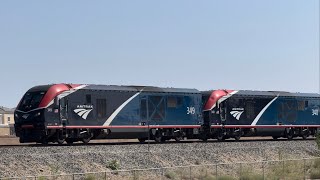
(71, 112)
(260, 113)
(63, 112)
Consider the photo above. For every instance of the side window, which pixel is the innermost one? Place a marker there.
(172, 102)
(301, 105)
(143, 109)
(250, 110)
(88, 99)
(101, 108)
(223, 111)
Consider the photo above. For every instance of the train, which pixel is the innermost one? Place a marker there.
(59, 113)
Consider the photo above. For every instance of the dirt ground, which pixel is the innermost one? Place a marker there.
(11, 140)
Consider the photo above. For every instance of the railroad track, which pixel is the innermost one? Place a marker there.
(133, 142)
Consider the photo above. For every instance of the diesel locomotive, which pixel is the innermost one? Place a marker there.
(66, 112)
(260, 113)
(73, 112)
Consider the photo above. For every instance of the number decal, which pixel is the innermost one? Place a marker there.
(191, 110)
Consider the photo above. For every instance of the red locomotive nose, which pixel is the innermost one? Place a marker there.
(214, 97)
(54, 91)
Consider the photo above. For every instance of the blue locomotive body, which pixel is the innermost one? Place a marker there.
(68, 112)
(98, 111)
(261, 113)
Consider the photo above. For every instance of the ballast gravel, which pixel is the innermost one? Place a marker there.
(51, 160)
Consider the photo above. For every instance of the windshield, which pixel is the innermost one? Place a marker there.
(31, 100)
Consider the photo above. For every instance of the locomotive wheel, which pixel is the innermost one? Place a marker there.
(178, 137)
(87, 137)
(86, 140)
(305, 136)
(220, 136)
(158, 137)
(60, 141)
(60, 138)
(275, 137)
(290, 135)
(237, 137)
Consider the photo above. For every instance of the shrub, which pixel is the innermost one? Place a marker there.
(225, 178)
(113, 165)
(41, 178)
(209, 177)
(315, 174)
(89, 177)
(318, 139)
(212, 177)
(170, 175)
(251, 177)
(316, 163)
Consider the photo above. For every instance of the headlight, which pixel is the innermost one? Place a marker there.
(38, 114)
(16, 115)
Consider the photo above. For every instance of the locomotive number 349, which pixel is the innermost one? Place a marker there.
(191, 110)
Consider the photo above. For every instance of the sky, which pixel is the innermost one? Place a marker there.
(207, 44)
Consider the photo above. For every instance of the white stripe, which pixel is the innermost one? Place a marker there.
(78, 110)
(116, 112)
(262, 111)
(80, 87)
(66, 93)
(233, 112)
(30, 110)
(225, 97)
(86, 114)
(238, 116)
(82, 112)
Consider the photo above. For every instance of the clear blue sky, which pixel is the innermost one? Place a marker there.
(245, 44)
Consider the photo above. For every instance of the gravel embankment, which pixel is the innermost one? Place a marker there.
(32, 161)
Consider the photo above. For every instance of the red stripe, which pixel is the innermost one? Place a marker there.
(266, 126)
(27, 126)
(117, 127)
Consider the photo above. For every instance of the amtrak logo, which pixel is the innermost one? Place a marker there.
(83, 110)
(237, 112)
